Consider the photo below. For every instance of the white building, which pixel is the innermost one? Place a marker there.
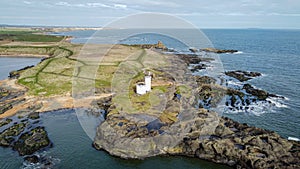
(144, 87)
(141, 88)
(148, 83)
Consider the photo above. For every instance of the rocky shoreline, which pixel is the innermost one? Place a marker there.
(24, 134)
(193, 131)
(201, 133)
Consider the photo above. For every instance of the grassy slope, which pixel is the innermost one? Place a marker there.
(54, 75)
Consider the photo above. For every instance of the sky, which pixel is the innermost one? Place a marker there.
(202, 13)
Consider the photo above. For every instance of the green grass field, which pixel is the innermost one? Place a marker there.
(28, 36)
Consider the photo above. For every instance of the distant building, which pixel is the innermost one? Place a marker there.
(144, 87)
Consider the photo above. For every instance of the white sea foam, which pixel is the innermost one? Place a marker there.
(257, 108)
(293, 138)
(234, 83)
(238, 52)
(45, 158)
(276, 102)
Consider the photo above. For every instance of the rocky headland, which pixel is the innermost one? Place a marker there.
(198, 132)
(185, 125)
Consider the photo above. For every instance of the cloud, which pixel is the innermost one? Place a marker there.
(27, 2)
(120, 6)
(96, 5)
(283, 14)
(92, 5)
(61, 3)
(257, 13)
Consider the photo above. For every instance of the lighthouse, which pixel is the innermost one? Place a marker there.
(148, 83)
(144, 87)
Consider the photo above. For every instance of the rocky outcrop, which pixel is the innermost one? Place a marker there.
(204, 80)
(193, 59)
(8, 136)
(9, 98)
(224, 141)
(5, 122)
(242, 75)
(260, 94)
(214, 50)
(198, 67)
(241, 146)
(32, 159)
(32, 141)
(24, 136)
(182, 129)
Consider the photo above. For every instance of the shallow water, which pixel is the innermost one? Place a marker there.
(8, 64)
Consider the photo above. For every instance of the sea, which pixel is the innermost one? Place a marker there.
(274, 53)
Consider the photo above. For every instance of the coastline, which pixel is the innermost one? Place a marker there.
(65, 101)
(23, 56)
(51, 103)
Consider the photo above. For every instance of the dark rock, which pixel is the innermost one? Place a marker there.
(260, 94)
(193, 59)
(32, 159)
(198, 67)
(5, 107)
(7, 137)
(5, 122)
(276, 96)
(34, 115)
(32, 141)
(247, 147)
(103, 103)
(242, 75)
(213, 50)
(204, 80)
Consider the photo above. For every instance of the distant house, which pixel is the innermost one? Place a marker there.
(144, 87)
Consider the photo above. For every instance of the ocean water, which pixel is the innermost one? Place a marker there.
(8, 64)
(73, 149)
(275, 53)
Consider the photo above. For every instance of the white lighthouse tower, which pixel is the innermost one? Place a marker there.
(148, 83)
(144, 87)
